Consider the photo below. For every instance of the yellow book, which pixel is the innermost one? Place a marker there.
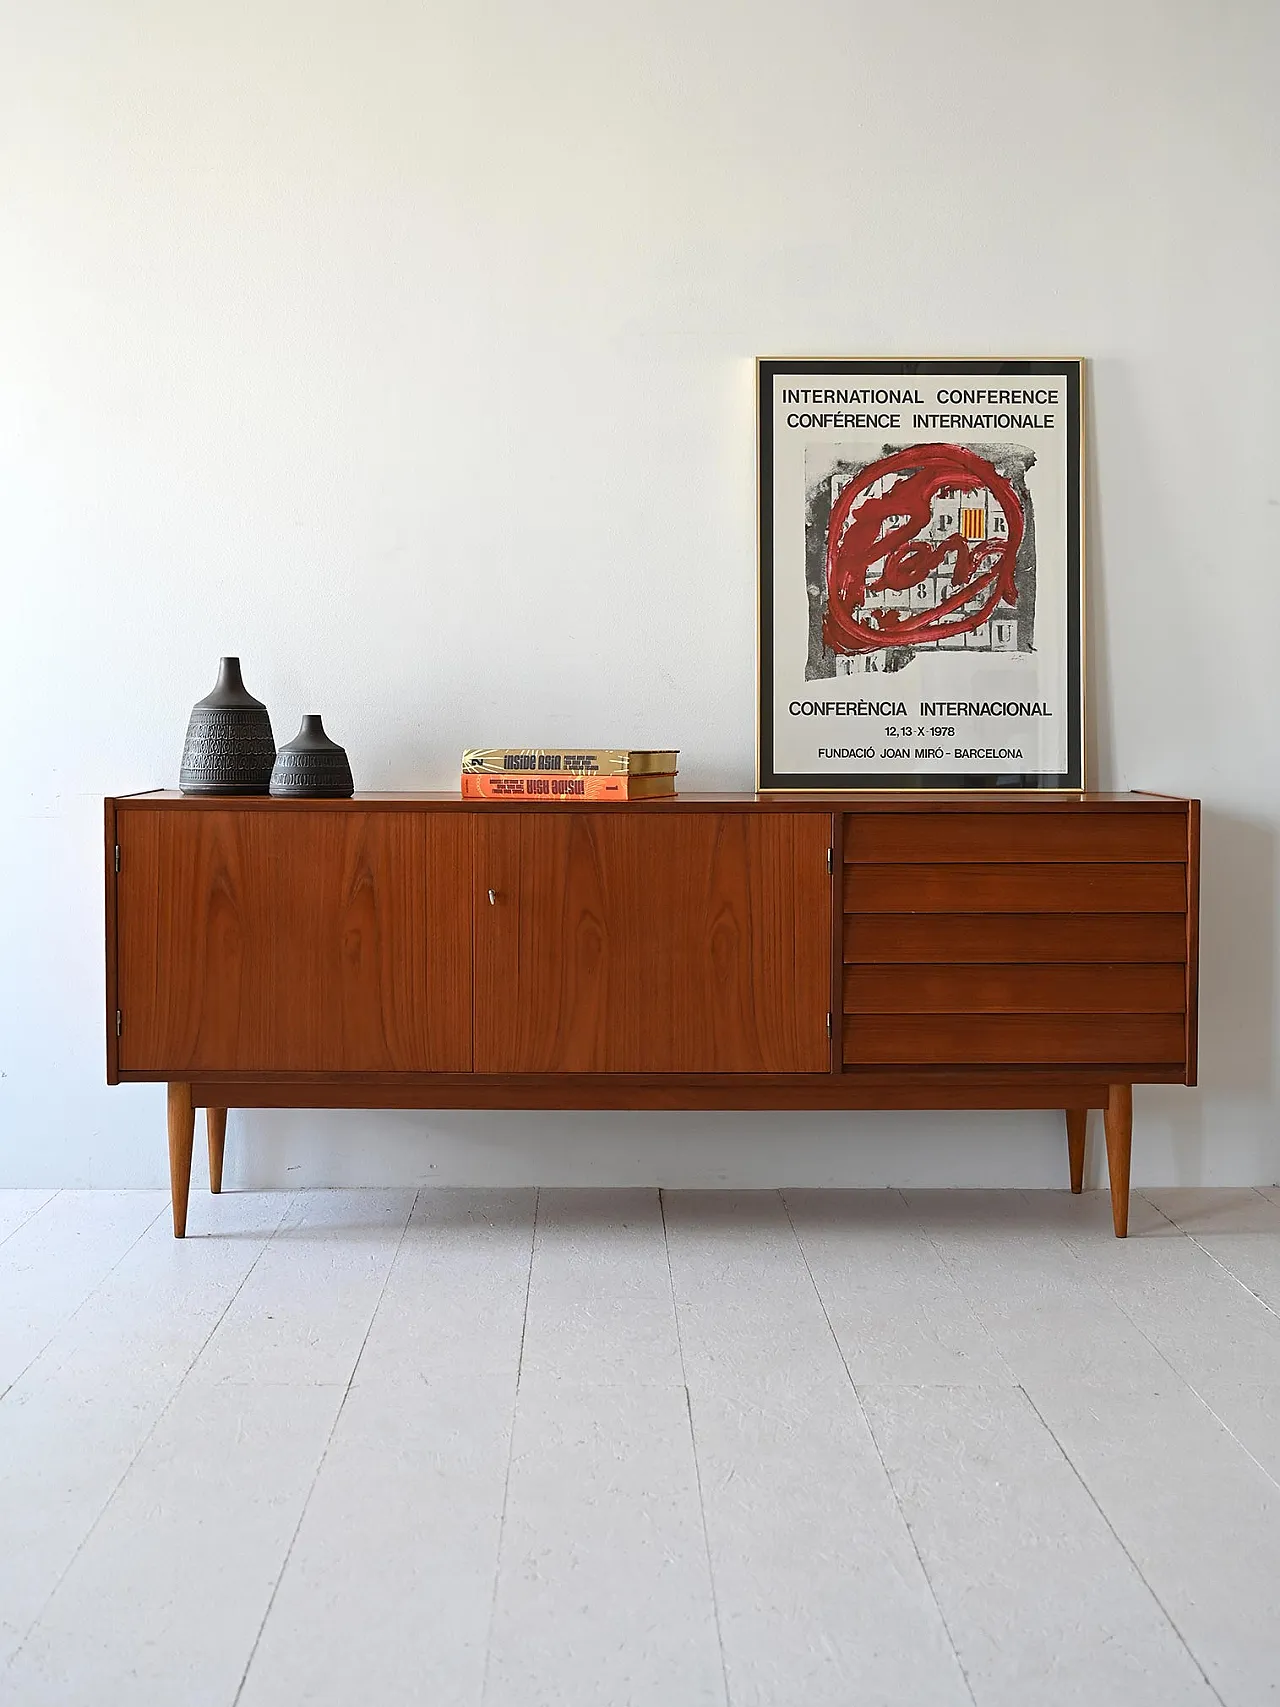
(581, 761)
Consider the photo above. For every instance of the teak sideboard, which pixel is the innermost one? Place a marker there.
(877, 951)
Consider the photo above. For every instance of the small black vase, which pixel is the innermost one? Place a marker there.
(229, 747)
(312, 767)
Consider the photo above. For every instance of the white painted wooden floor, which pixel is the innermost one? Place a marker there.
(600, 1448)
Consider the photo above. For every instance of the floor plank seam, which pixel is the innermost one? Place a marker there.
(29, 1218)
(1177, 1374)
(143, 1443)
(1232, 1436)
(324, 1453)
(1137, 1327)
(961, 1291)
(1231, 1274)
(958, 1313)
(884, 1468)
(1099, 1280)
(511, 1448)
(1164, 1216)
(88, 1297)
(1208, 1404)
(1182, 1380)
(693, 1446)
(1119, 1540)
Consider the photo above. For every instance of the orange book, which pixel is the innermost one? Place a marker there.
(544, 785)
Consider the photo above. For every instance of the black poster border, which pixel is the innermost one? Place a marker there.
(1070, 369)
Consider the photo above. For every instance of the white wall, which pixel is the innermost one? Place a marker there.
(405, 349)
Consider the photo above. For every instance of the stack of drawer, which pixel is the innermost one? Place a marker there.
(1009, 937)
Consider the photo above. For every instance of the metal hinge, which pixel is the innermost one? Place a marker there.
(831, 860)
(119, 1023)
(118, 857)
(828, 1023)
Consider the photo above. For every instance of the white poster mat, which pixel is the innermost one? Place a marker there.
(895, 685)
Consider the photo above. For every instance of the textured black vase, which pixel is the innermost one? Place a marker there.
(312, 766)
(229, 747)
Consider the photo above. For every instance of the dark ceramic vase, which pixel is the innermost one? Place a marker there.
(311, 766)
(229, 747)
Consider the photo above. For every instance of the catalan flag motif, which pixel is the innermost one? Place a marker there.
(973, 524)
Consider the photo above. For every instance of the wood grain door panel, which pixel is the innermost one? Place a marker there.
(296, 941)
(642, 943)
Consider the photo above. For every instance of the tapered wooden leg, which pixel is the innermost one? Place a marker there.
(215, 1120)
(1119, 1124)
(1077, 1119)
(182, 1132)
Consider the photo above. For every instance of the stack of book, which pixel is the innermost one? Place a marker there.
(589, 773)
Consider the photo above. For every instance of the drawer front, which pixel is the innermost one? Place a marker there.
(1144, 887)
(1004, 837)
(901, 939)
(1102, 1040)
(1072, 989)
(1016, 938)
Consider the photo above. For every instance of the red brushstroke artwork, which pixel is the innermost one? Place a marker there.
(876, 547)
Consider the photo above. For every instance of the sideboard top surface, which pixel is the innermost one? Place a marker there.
(890, 800)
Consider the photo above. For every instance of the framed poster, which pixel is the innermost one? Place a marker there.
(921, 578)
